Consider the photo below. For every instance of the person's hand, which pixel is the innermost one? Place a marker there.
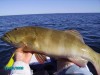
(20, 55)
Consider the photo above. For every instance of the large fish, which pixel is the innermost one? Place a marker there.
(54, 43)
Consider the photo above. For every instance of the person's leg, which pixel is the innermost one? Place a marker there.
(66, 67)
(75, 70)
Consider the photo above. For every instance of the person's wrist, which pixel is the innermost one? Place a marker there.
(20, 55)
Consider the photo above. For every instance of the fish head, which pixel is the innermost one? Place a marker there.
(16, 35)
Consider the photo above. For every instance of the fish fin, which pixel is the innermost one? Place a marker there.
(75, 33)
(41, 58)
(93, 57)
(96, 62)
(78, 61)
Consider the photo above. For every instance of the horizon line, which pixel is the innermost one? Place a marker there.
(53, 13)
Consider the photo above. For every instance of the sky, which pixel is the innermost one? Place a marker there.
(19, 7)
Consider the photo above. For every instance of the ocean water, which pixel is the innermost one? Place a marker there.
(88, 24)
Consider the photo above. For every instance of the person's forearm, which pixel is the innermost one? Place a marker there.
(21, 68)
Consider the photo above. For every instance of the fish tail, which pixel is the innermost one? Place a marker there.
(96, 62)
(94, 58)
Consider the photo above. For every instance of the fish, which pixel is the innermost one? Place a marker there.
(54, 43)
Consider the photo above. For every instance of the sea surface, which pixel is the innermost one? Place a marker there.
(88, 24)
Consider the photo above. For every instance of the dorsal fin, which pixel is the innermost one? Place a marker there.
(75, 33)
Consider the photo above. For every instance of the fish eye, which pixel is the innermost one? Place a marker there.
(5, 35)
(16, 29)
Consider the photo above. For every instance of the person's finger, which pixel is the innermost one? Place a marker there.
(27, 57)
(29, 54)
(19, 49)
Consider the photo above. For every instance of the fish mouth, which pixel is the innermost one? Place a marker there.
(5, 38)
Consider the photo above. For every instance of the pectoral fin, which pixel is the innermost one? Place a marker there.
(41, 58)
(79, 61)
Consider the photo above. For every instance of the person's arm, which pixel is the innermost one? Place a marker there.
(21, 65)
